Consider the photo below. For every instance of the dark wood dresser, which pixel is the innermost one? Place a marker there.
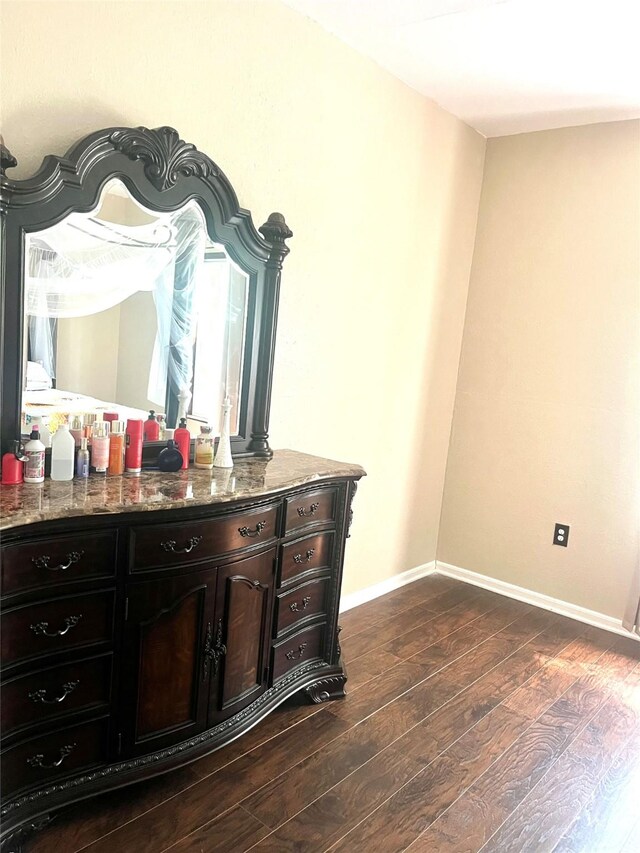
(149, 620)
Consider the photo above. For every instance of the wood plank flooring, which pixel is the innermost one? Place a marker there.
(473, 723)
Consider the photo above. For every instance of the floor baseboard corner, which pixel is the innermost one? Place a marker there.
(354, 599)
(538, 599)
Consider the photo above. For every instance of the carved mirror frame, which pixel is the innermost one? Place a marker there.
(163, 173)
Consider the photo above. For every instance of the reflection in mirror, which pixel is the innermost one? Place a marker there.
(128, 310)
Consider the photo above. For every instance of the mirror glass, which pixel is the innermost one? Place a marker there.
(129, 310)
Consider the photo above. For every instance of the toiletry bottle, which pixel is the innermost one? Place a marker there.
(162, 428)
(13, 465)
(116, 448)
(204, 448)
(43, 430)
(100, 447)
(82, 461)
(76, 430)
(110, 417)
(133, 447)
(151, 427)
(170, 458)
(63, 452)
(182, 438)
(34, 451)
(89, 421)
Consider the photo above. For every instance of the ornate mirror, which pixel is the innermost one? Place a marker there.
(133, 281)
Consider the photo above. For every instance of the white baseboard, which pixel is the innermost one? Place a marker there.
(363, 595)
(565, 608)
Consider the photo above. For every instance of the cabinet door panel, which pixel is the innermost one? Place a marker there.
(164, 664)
(245, 604)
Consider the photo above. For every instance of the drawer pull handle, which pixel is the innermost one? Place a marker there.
(37, 760)
(211, 653)
(248, 531)
(298, 558)
(170, 545)
(69, 623)
(305, 513)
(43, 562)
(295, 608)
(293, 655)
(39, 695)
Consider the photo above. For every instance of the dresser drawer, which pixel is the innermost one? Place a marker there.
(56, 625)
(159, 545)
(44, 759)
(318, 506)
(300, 603)
(310, 553)
(55, 692)
(50, 562)
(297, 650)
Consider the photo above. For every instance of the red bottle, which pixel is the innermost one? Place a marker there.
(13, 466)
(110, 417)
(182, 438)
(151, 428)
(133, 452)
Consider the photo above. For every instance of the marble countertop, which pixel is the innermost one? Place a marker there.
(154, 490)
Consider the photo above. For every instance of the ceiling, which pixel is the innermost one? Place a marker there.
(502, 66)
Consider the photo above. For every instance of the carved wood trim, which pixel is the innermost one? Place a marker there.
(166, 157)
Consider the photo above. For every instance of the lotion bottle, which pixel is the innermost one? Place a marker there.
(34, 451)
(63, 451)
(182, 438)
(204, 448)
(151, 428)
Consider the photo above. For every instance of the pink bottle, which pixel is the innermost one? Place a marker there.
(133, 452)
(182, 438)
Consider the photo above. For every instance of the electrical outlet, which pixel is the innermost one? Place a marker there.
(561, 535)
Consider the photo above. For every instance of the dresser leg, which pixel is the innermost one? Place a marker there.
(14, 842)
(331, 687)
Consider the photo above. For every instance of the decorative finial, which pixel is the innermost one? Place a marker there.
(275, 229)
(7, 160)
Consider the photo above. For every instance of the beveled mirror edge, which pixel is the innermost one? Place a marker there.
(163, 172)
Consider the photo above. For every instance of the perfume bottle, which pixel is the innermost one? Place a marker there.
(170, 458)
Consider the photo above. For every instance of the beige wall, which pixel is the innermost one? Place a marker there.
(547, 413)
(379, 185)
(84, 354)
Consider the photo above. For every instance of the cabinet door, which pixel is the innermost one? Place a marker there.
(166, 665)
(243, 629)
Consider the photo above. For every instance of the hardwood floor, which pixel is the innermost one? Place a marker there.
(473, 722)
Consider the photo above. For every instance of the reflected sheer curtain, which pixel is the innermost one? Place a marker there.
(83, 266)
